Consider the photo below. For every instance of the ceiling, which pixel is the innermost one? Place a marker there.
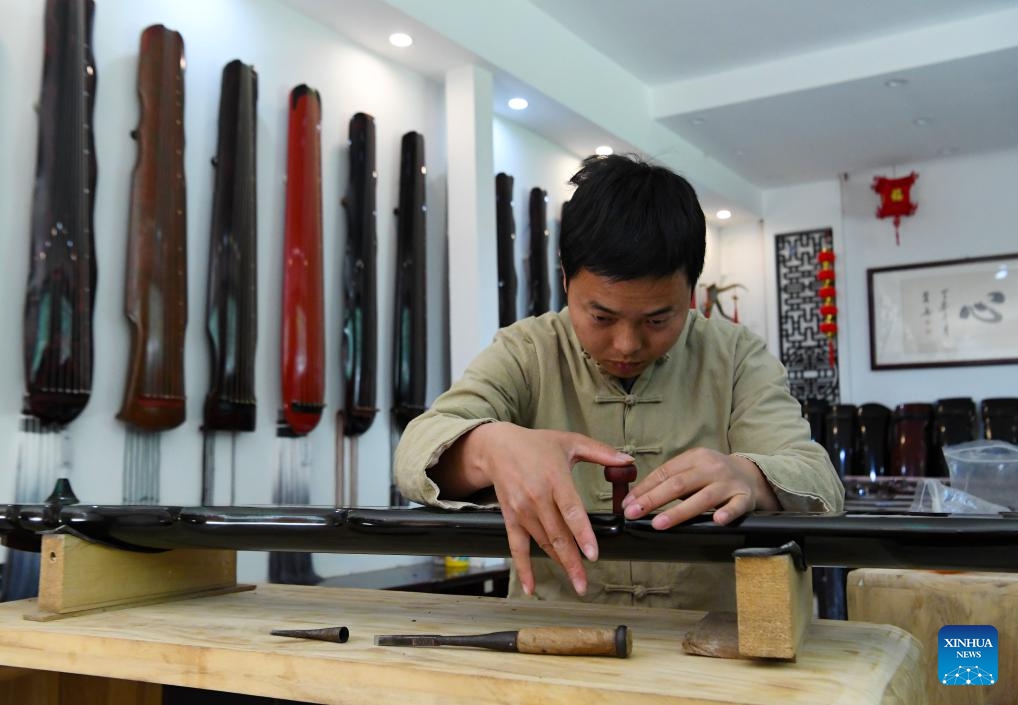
(741, 95)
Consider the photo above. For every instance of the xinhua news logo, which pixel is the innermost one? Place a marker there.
(967, 654)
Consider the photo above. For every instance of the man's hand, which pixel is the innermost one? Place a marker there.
(531, 471)
(704, 479)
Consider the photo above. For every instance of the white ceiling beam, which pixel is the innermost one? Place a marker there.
(891, 54)
(517, 38)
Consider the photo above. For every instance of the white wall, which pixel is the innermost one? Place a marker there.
(742, 257)
(967, 208)
(533, 161)
(286, 49)
(713, 267)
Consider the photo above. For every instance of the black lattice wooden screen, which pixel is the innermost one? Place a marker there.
(803, 348)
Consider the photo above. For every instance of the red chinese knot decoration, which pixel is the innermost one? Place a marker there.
(895, 199)
(827, 294)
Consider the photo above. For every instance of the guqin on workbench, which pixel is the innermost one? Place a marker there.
(938, 541)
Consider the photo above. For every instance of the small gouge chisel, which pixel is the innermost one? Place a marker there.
(337, 635)
(563, 641)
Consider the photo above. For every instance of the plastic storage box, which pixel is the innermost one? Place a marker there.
(986, 469)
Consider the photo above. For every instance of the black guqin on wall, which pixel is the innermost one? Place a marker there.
(803, 347)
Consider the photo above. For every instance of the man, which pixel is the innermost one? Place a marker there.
(626, 373)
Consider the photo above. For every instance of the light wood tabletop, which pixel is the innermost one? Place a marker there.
(223, 643)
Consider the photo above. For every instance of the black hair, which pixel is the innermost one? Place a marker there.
(630, 220)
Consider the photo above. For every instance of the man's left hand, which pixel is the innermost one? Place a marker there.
(703, 479)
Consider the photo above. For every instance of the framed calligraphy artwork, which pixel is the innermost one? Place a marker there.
(944, 314)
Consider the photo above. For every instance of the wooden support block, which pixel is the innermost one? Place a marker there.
(77, 576)
(774, 597)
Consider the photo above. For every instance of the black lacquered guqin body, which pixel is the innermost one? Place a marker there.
(60, 297)
(960, 542)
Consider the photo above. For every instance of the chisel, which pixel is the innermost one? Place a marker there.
(563, 641)
(337, 635)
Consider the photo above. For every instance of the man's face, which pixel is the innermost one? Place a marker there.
(627, 325)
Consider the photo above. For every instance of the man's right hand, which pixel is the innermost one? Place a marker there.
(531, 471)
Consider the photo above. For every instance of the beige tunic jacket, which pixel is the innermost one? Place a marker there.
(717, 388)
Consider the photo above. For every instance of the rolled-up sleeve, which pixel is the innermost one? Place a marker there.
(494, 387)
(767, 428)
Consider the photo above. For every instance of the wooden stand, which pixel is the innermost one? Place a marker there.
(774, 594)
(77, 577)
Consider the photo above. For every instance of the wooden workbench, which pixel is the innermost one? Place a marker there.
(223, 643)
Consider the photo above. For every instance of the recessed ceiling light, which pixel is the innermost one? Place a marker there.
(896, 82)
(604, 150)
(518, 103)
(921, 121)
(400, 39)
(697, 121)
(724, 214)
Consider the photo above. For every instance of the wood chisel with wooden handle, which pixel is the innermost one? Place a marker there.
(562, 641)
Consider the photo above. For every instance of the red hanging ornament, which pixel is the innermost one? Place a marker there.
(895, 199)
(828, 306)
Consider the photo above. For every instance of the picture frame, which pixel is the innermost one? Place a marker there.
(944, 314)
